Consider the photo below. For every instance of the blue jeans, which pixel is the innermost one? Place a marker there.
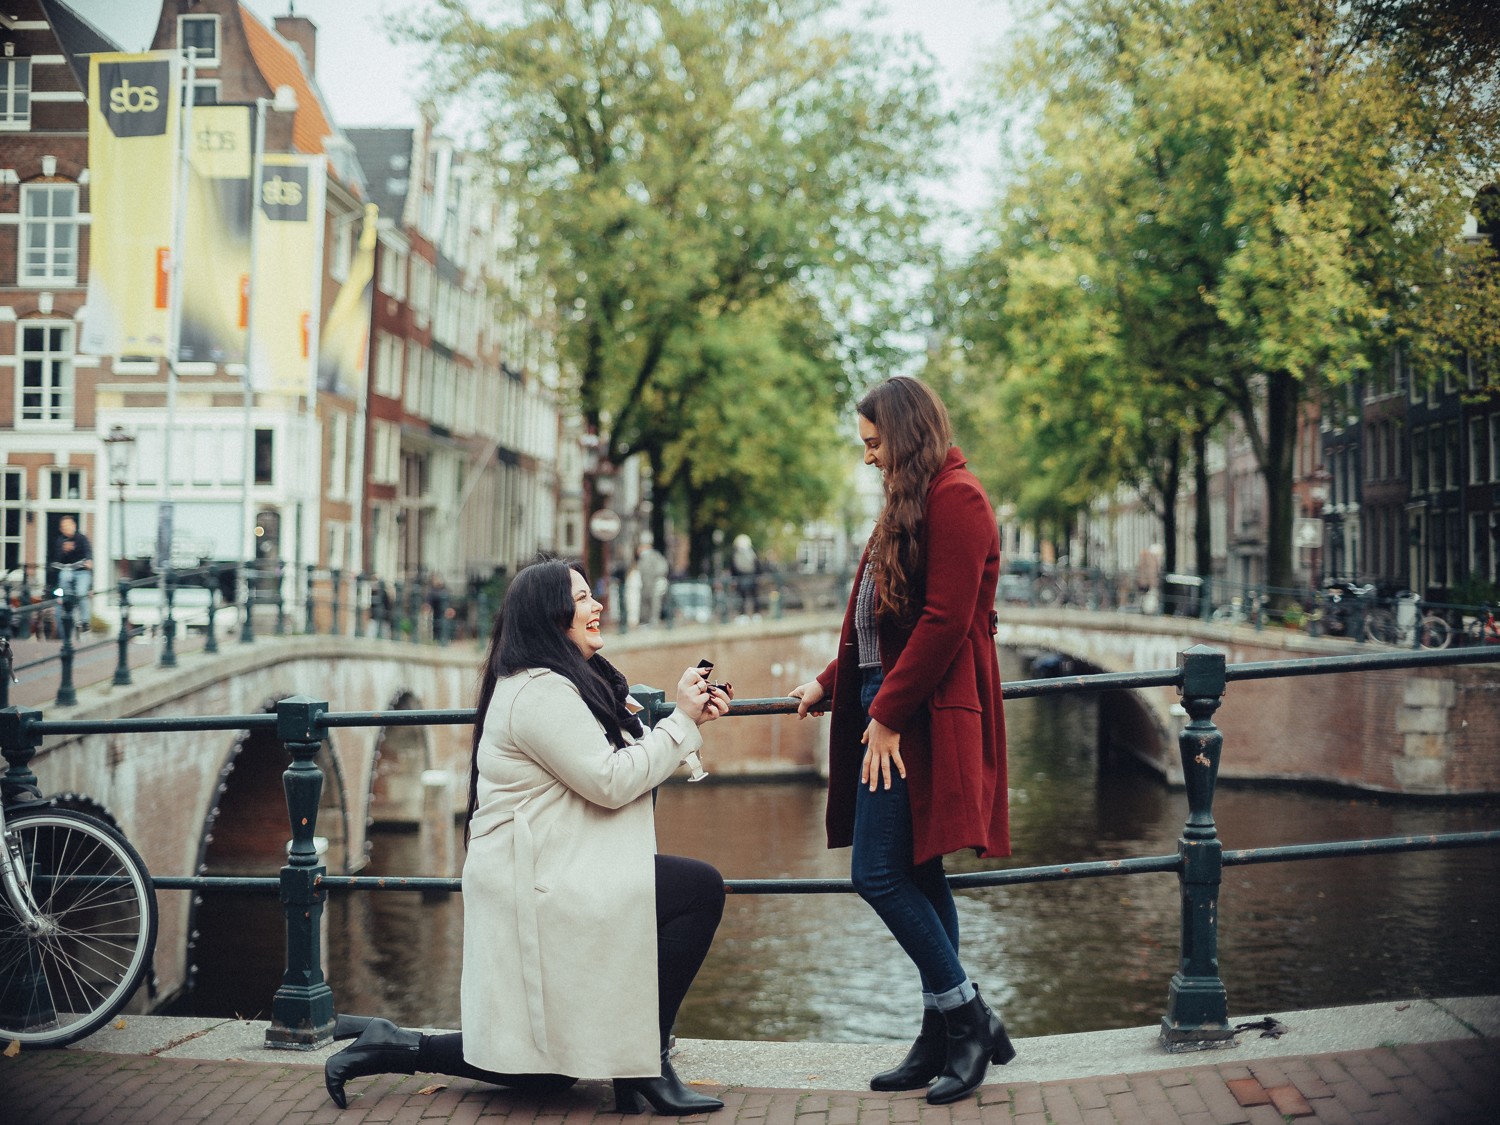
(914, 901)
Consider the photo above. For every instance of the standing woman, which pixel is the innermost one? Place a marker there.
(917, 740)
(580, 942)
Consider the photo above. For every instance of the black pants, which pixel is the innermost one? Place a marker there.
(689, 904)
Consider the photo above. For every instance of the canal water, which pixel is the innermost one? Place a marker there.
(1056, 957)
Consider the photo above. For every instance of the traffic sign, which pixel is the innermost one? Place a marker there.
(604, 525)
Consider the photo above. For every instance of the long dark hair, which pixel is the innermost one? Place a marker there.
(914, 436)
(530, 631)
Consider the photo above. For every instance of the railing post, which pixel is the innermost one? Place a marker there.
(169, 624)
(302, 1010)
(361, 580)
(1197, 1006)
(312, 620)
(335, 580)
(19, 743)
(122, 663)
(7, 624)
(211, 642)
(247, 627)
(66, 695)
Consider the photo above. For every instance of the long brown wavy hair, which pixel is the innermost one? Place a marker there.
(915, 436)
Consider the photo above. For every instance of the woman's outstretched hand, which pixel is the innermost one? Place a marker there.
(700, 702)
(808, 696)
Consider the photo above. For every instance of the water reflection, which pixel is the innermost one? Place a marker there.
(1057, 957)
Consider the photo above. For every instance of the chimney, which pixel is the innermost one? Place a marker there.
(303, 32)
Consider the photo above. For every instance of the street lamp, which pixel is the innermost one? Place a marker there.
(285, 101)
(120, 447)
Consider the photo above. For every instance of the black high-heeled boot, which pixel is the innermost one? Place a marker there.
(666, 1094)
(382, 1048)
(923, 1062)
(348, 1027)
(975, 1038)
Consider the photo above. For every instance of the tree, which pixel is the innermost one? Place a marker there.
(1293, 164)
(677, 162)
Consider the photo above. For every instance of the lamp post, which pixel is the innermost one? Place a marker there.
(285, 101)
(120, 447)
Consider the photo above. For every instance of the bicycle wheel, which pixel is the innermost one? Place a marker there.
(1380, 625)
(98, 907)
(1435, 631)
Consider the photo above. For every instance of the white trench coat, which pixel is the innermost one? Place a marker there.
(559, 886)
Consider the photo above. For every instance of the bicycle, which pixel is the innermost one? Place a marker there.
(78, 919)
(1431, 631)
(1484, 629)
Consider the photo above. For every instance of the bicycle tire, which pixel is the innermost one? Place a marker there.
(1380, 625)
(91, 885)
(1436, 633)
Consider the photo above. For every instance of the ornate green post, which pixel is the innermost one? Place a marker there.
(312, 620)
(122, 663)
(335, 581)
(247, 626)
(66, 695)
(169, 623)
(24, 993)
(19, 743)
(302, 1010)
(211, 640)
(1197, 1006)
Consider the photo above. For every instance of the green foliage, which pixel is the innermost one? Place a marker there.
(1229, 204)
(678, 164)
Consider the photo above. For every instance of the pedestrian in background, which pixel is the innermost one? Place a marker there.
(917, 740)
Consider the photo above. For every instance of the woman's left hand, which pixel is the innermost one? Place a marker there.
(882, 747)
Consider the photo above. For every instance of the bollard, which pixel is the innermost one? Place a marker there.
(122, 663)
(435, 841)
(1197, 1005)
(302, 1009)
(66, 695)
(280, 600)
(361, 581)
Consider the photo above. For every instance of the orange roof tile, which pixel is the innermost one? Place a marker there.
(280, 65)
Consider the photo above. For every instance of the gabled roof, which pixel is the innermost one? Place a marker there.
(385, 156)
(281, 65)
(77, 37)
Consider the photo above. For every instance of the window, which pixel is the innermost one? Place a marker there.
(49, 234)
(46, 390)
(15, 93)
(1479, 452)
(265, 460)
(343, 250)
(1495, 447)
(12, 517)
(1454, 460)
(205, 91)
(1419, 461)
(65, 484)
(202, 33)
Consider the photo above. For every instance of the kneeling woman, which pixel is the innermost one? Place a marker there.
(580, 942)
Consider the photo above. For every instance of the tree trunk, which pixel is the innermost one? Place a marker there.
(1203, 540)
(1283, 396)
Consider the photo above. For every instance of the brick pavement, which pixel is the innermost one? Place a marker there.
(1456, 1082)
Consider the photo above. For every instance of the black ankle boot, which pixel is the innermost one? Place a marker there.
(347, 1027)
(923, 1062)
(666, 1094)
(975, 1038)
(382, 1048)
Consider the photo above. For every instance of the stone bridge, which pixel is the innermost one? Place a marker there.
(212, 802)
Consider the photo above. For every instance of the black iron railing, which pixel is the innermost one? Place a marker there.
(1197, 1007)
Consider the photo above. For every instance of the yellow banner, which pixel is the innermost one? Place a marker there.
(343, 357)
(216, 254)
(133, 116)
(289, 273)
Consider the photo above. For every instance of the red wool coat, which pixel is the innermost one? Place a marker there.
(941, 691)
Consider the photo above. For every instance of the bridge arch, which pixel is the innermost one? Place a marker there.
(401, 755)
